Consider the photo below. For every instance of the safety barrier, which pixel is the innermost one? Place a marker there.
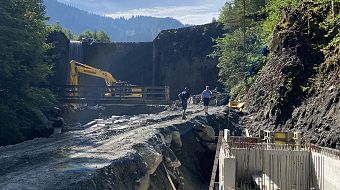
(112, 94)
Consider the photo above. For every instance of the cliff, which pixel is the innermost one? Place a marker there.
(299, 88)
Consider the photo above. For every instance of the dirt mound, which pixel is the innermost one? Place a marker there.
(294, 91)
(127, 152)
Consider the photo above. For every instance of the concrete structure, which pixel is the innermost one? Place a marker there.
(176, 58)
(268, 166)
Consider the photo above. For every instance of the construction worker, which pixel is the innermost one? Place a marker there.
(184, 96)
(206, 95)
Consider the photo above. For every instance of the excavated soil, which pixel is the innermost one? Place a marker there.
(120, 152)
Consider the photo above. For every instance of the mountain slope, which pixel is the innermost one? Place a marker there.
(109, 6)
(136, 29)
(299, 88)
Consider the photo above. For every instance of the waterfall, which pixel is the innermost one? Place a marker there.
(76, 51)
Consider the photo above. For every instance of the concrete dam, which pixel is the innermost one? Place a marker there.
(176, 58)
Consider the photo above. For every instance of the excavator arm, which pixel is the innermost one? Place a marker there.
(77, 68)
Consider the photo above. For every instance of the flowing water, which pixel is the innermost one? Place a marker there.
(76, 51)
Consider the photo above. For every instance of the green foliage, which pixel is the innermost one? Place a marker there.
(236, 55)
(56, 27)
(23, 65)
(238, 51)
(232, 13)
(235, 59)
(96, 36)
(273, 9)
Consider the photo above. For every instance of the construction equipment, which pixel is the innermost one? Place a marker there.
(236, 105)
(110, 81)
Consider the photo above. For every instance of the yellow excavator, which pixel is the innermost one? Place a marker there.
(77, 68)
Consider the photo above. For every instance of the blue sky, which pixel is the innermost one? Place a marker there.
(187, 11)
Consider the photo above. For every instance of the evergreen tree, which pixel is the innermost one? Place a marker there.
(96, 36)
(58, 28)
(240, 48)
(23, 66)
(273, 9)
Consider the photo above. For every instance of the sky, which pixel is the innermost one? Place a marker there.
(192, 12)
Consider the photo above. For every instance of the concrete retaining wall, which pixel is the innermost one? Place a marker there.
(327, 171)
(272, 168)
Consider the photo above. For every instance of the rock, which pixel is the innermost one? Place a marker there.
(204, 132)
(176, 140)
(206, 136)
(277, 97)
(143, 183)
(167, 133)
(151, 157)
(210, 146)
(170, 158)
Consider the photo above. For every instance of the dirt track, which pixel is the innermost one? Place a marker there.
(56, 162)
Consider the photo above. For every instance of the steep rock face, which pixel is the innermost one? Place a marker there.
(293, 90)
(181, 58)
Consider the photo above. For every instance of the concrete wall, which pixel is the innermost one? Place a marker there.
(60, 55)
(327, 171)
(227, 168)
(181, 58)
(176, 58)
(274, 169)
(125, 61)
(284, 170)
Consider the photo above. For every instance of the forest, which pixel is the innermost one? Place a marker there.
(135, 29)
(24, 66)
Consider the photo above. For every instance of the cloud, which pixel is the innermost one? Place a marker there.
(187, 11)
(186, 14)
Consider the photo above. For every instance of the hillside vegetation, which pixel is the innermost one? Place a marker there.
(135, 29)
(242, 51)
(24, 65)
(297, 85)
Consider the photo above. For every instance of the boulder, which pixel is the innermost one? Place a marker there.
(176, 140)
(170, 159)
(204, 132)
(151, 157)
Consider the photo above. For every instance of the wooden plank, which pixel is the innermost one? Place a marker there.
(169, 178)
(213, 174)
